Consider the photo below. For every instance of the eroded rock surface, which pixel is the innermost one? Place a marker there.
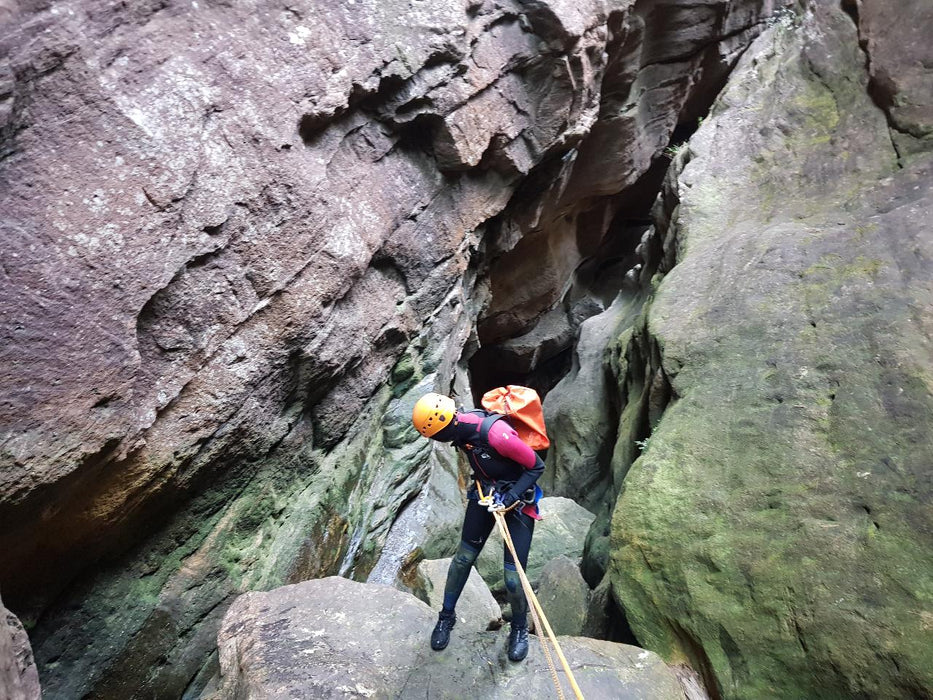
(897, 49)
(334, 638)
(776, 529)
(235, 237)
(19, 679)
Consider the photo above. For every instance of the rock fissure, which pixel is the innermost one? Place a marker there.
(882, 96)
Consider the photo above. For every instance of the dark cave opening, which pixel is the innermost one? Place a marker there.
(542, 356)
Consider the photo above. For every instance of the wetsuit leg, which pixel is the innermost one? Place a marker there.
(521, 528)
(477, 524)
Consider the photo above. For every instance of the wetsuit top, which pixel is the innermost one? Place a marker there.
(510, 462)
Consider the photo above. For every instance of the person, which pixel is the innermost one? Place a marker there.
(505, 467)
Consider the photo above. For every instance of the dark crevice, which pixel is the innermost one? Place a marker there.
(698, 658)
(684, 58)
(619, 630)
(417, 136)
(312, 125)
(881, 89)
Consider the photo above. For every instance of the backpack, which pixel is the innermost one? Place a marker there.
(522, 407)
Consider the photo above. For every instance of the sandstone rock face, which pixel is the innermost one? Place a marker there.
(235, 237)
(776, 530)
(579, 411)
(564, 596)
(897, 46)
(334, 638)
(19, 679)
(664, 63)
(561, 532)
(240, 238)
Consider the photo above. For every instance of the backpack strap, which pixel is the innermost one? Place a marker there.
(486, 426)
(482, 431)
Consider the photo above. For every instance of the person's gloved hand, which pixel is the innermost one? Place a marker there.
(503, 501)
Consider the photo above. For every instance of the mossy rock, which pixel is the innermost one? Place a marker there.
(776, 531)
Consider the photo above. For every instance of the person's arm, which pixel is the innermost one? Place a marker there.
(504, 440)
(528, 477)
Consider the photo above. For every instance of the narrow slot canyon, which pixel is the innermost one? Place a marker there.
(241, 242)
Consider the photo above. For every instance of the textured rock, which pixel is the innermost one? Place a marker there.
(560, 532)
(896, 40)
(476, 608)
(775, 531)
(333, 638)
(19, 679)
(580, 411)
(235, 236)
(564, 596)
(665, 62)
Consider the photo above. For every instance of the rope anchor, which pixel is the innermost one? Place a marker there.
(537, 613)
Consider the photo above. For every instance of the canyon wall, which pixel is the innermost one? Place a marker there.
(776, 530)
(240, 239)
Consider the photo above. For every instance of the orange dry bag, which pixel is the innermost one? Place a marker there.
(523, 407)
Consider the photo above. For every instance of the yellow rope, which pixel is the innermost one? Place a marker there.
(529, 593)
(536, 610)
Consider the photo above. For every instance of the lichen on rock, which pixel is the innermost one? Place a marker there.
(772, 533)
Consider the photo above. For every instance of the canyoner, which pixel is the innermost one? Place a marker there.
(505, 472)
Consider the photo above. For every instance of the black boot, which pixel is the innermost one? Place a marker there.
(440, 637)
(518, 643)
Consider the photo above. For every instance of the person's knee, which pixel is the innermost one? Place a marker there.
(466, 555)
(513, 582)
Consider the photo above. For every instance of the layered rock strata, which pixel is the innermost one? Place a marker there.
(236, 237)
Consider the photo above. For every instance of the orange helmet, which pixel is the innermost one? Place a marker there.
(432, 413)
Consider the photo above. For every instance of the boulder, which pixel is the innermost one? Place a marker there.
(19, 679)
(333, 638)
(476, 608)
(776, 529)
(560, 532)
(579, 412)
(564, 596)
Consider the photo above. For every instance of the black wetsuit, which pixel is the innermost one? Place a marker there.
(504, 474)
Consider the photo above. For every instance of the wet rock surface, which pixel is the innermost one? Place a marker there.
(334, 638)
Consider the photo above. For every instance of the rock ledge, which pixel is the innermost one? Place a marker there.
(335, 638)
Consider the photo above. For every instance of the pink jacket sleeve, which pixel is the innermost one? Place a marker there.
(504, 440)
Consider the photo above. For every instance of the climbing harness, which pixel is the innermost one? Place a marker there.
(537, 613)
